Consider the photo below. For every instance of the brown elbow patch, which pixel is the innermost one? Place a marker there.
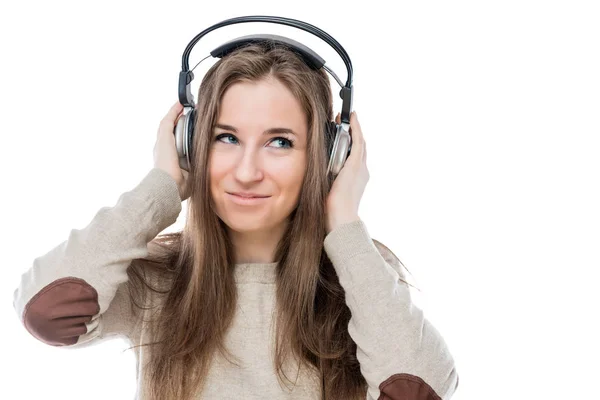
(406, 387)
(57, 314)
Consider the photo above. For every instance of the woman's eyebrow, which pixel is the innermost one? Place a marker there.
(270, 131)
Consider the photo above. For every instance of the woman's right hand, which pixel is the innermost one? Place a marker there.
(165, 150)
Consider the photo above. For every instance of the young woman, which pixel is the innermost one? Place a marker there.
(274, 288)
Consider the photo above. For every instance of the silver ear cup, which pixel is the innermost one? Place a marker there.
(182, 139)
(339, 151)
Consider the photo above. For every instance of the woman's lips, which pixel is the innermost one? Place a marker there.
(246, 200)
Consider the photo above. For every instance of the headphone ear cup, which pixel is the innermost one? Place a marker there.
(184, 130)
(330, 131)
(190, 135)
(339, 149)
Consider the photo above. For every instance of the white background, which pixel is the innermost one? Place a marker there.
(482, 125)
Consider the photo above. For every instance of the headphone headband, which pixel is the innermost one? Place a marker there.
(312, 59)
(186, 76)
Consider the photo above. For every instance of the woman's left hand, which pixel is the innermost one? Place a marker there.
(349, 185)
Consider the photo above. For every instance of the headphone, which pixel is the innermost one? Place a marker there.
(337, 136)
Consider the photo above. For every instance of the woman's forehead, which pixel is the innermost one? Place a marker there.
(261, 105)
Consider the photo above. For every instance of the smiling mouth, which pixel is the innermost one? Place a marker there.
(248, 197)
(246, 200)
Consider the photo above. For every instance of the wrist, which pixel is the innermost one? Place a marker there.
(338, 221)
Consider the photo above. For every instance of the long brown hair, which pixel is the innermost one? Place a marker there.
(195, 266)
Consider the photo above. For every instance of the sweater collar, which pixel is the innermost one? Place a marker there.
(255, 272)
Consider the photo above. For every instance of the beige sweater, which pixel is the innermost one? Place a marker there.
(76, 295)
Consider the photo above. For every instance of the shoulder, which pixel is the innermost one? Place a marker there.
(151, 276)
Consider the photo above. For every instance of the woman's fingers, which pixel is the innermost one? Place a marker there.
(170, 119)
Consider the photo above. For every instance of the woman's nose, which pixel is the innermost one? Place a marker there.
(249, 166)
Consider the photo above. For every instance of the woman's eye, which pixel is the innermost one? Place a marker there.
(284, 143)
(218, 138)
(289, 143)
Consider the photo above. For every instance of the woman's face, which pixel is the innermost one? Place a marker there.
(250, 152)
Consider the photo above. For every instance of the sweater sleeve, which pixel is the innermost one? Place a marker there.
(76, 294)
(401, 354)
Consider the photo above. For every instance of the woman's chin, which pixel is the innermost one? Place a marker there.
(247, 225)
